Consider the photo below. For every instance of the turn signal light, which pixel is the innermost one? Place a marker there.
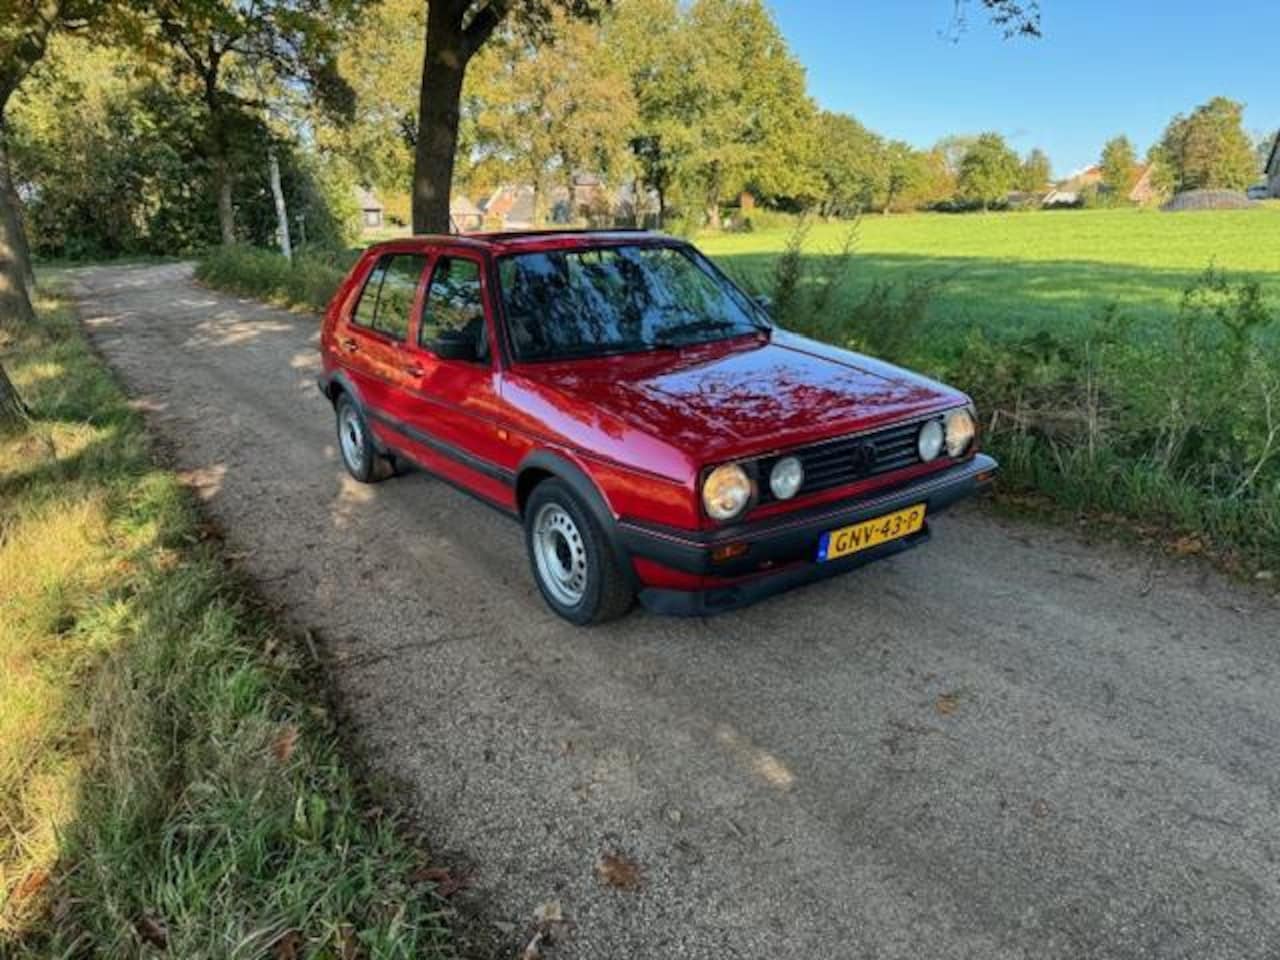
(728, 552)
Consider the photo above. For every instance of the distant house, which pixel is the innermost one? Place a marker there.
(1072, 190)
(1144, 189)
(1272, 170)
(510, 207)
(370, 208)
(464, 216)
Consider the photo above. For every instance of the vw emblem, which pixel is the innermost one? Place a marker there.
(863, 458)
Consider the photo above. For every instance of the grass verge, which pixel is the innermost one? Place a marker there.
(169, 779)
(308, 281)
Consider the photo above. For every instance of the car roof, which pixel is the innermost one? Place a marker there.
(526, 241)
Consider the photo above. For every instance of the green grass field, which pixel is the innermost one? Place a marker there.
(1028, 271)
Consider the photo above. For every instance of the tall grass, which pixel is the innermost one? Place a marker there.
(308, 281)
(169, 781)
(1174, 425)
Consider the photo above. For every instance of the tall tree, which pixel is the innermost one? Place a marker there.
(1119, 168)
(547, 111)
(988, 171)
(1209, 149)
(851, 164)
(456, 31)
(26, 27)
(1036, 171)
(228, 49)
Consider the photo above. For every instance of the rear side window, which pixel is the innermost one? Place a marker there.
(454, 304)
(387, 298)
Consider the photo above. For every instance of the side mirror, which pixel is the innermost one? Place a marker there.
(454, 345)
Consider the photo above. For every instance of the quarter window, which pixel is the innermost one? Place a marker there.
(387, 298)
(454, 304)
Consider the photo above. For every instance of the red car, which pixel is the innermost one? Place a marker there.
(651, 427)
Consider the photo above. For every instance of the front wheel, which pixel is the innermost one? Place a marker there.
(572, 563)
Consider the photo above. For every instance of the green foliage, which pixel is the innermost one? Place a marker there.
(170, 780)
(1145, 386)
(988, 171)
(1119, 168)
(1036, 171)
(1209, 150)
(114, 164)
(310, 280)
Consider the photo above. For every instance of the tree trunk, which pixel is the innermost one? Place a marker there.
(13, 412)
(713, 216)
(444, 65)
(282, 212)
(15, 261)
(226, 210)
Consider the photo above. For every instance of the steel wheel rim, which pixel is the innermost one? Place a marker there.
(351, 436)
(560, 554)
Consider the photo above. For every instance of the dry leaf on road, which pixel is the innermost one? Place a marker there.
(615, 870)
(285, 743)
(947, 703)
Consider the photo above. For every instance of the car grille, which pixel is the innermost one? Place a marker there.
(834, 463)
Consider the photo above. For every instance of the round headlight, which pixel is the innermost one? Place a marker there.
(726, 492)
(931, 438)
(960, 431)
(785, 478)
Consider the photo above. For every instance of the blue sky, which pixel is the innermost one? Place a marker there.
(1103, 67)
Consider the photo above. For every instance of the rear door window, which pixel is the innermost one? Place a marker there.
(387, 299)
(454, 304)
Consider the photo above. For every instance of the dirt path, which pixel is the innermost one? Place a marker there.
(1007, 744)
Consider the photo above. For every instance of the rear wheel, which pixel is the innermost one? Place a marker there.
(572, 562)
(359, 453)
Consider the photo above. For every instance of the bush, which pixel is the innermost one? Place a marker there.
(310, 280)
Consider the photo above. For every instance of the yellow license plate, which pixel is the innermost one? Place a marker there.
(871, 533)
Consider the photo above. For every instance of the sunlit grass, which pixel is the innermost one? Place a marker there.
(166, 773)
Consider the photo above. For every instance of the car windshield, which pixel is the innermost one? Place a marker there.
(618, 299)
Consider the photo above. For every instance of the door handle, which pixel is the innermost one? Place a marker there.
(349, 345)
(413, 370)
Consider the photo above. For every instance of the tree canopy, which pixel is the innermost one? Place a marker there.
(1208, 148)
(988, 171)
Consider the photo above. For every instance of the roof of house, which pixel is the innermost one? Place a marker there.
(365, 197)
(460, 205)
(1273, 158)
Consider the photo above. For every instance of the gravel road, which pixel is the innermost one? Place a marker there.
(1008, 743)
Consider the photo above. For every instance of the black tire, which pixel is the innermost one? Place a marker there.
(356, 446)
(605, 590)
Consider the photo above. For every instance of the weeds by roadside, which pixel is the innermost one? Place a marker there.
(168, 780)
(1174, 426)
(308, 281)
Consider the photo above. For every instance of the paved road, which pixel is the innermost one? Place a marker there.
(1007, 744)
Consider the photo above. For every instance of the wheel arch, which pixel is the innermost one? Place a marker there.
(543, 465)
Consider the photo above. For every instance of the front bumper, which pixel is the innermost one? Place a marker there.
(781, 552)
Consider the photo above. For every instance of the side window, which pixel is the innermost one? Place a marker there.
(454, 303)
(387, 297)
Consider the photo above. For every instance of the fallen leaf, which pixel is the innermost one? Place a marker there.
(285, 742)
(348, 945)
(153, 931)
(1188, 546)
(1040, 808)
(615, 870)
(446, 881)
(533, 950)
(549, 912)
(31, 884)
(288, 946)
(947, 703)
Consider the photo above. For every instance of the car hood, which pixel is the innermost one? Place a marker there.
(744, 397)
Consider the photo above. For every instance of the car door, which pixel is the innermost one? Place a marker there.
(457, 413)
(372, 342)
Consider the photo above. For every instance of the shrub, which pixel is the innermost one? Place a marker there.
(308, 281)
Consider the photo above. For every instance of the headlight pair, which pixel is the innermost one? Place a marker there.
(954, 432)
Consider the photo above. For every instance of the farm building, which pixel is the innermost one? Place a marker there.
(464, 216)
(1071, 191)
(370, 208)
